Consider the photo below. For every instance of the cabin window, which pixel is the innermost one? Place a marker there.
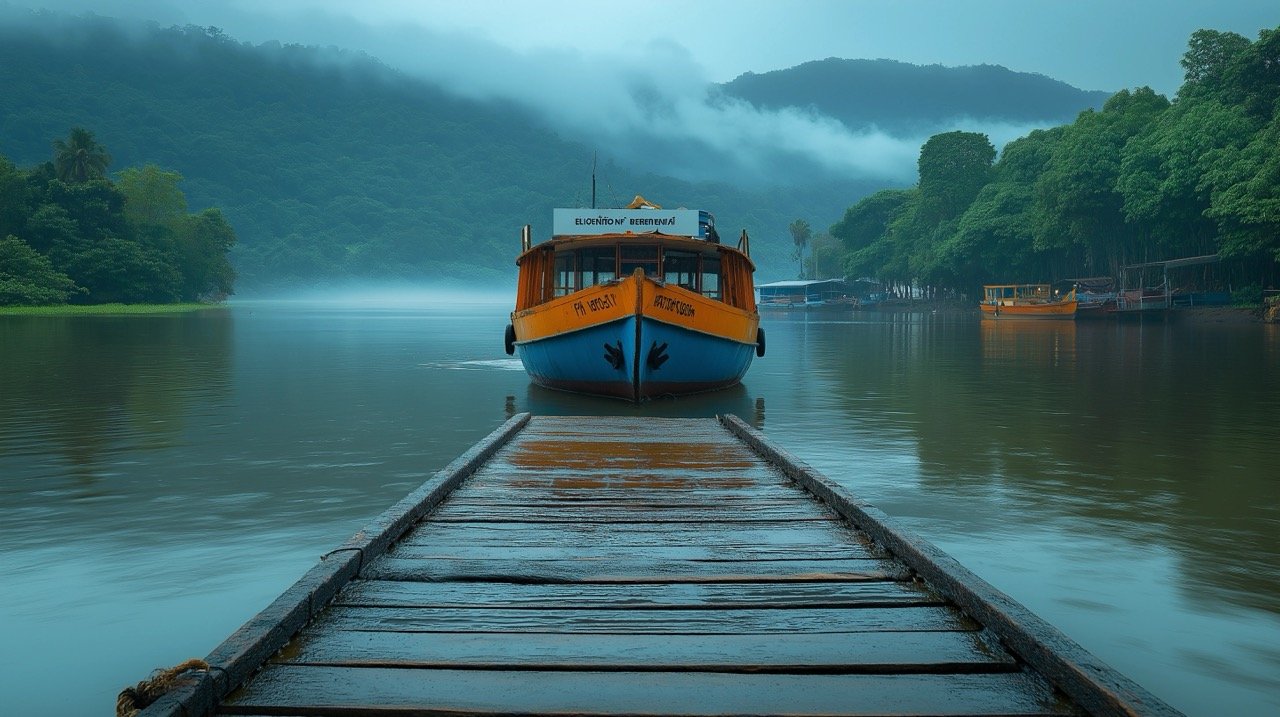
(642, 257)
(597, 266)
(680, 268)
(711, 276)
(566, 273)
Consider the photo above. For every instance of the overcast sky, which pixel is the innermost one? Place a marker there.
(632, 75)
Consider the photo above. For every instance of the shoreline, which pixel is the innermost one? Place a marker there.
(1193, 314)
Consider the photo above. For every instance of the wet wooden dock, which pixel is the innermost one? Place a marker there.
(643, 566)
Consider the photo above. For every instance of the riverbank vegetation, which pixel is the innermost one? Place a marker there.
(1144, 179)
(71, 235)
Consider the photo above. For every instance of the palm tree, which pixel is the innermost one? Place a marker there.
(800, 233)
(80, 158)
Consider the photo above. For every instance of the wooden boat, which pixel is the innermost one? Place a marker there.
(635, 303)
(1026, 301)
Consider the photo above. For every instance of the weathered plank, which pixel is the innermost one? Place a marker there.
(358, 692)
(849, 652)
(646, 621)
(634, 513)
(613, 479)
(628, 454)
(698, 553)
(673, 596)
(638, 535)
(639, 570)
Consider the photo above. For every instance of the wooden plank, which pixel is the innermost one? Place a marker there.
(861, 652)
(606, 477)
(614, 487)
(632, 513)
(626, 454)
(647, 621)
(701, 553)
(636, 571)
(490, 492)
(673, 596)
(634, 534)
(362, 692)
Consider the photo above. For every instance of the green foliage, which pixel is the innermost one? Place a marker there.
(954, 167)
(152, 197)
(800, 234)
(1140, 180)
(92, 241)
(28, 279)
(864, 232)
(80, 158)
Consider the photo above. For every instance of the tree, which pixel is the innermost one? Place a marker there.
(14, 198)
(152, 196)
(28, 279)
(954, 167)
(122, 271)
(1080, 207)
(800, 233)
(80, 158)
(203, 244)
(1209, 55)
(1245, 198)
(865, 222)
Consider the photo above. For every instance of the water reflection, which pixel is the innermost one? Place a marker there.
(1138, 429)
(81, 389)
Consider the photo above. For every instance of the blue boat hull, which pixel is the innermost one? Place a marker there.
(657, 359)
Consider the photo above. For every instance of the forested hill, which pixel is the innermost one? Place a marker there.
(329, 164)
(903, 99)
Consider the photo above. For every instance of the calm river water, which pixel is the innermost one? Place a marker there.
(163, 478)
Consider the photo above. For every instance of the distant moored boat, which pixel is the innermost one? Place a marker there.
(1026, 301)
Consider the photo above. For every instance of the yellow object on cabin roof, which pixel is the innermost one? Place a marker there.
(641, 203)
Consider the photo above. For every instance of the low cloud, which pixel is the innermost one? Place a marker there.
(649, 106)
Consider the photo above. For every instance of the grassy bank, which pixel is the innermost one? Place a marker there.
(104, 309)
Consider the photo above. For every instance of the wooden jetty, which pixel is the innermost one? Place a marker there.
(644, 566)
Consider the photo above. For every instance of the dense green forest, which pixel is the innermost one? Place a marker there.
(903, 99)
(329, 165)
(70, 234)
(1143, 179)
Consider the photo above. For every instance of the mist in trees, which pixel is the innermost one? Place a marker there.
(1143, 179)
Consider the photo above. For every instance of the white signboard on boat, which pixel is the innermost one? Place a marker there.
(683, 222)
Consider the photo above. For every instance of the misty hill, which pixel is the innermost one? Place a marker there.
(329, 164)
(905, 99)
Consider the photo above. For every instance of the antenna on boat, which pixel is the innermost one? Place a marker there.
(593, 180)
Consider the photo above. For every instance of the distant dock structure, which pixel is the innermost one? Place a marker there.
(643, 566)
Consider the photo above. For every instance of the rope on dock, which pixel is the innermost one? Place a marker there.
(133, 700)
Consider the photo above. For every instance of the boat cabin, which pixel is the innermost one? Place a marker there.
(602, 246)
(1015, 294)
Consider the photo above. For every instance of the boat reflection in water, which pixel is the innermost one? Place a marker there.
(1031, 343)
(635, 303)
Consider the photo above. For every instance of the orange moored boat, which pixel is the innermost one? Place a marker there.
(1026, 301)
